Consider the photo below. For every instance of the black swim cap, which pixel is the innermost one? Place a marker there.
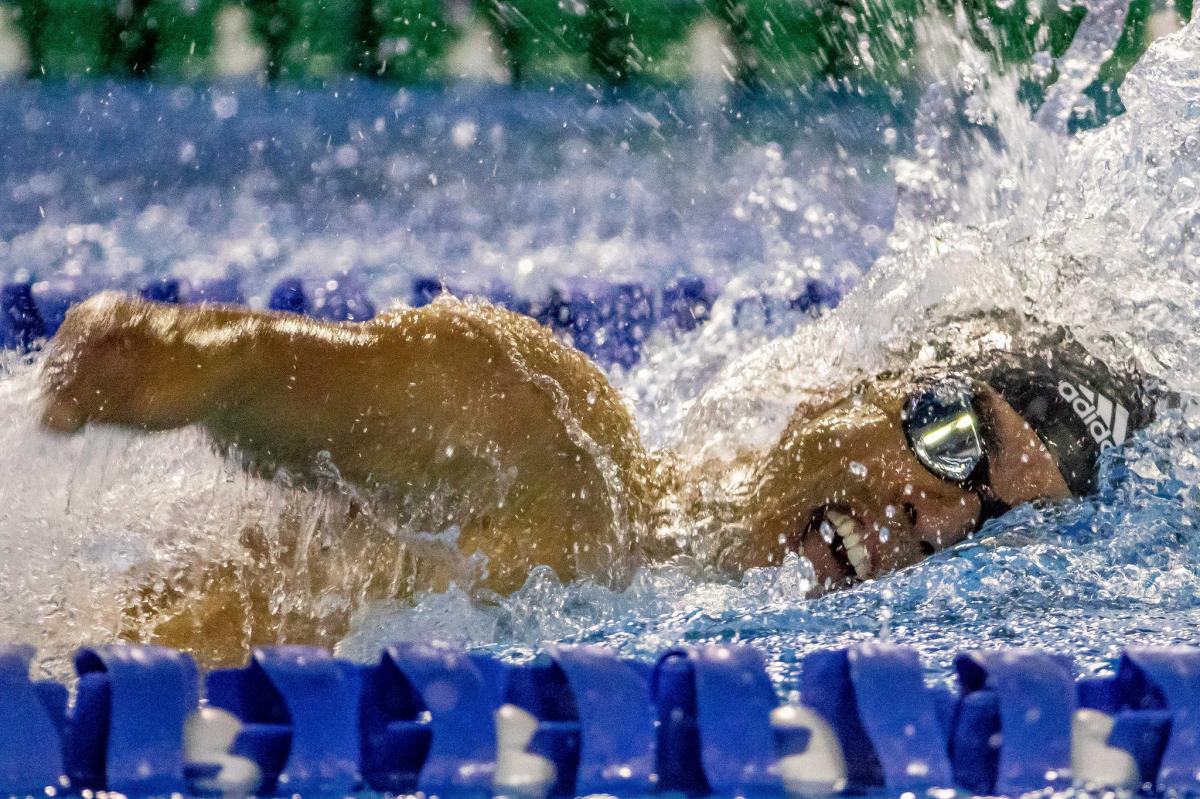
(1078, 405)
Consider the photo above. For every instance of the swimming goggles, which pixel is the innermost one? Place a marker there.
(946, 434)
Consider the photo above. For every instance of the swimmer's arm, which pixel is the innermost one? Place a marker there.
(448, 398)
(297, 386)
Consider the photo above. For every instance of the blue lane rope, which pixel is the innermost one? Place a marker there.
(580, 719)
(607, 321)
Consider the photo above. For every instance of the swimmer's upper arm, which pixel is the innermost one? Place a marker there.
(456, 413)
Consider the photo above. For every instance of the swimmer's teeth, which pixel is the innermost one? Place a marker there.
(856, 552)
(859, 560)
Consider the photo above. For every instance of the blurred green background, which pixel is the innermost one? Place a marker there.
(757, 43)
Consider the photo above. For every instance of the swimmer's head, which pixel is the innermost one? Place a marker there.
(1078, 405)
(911, 463)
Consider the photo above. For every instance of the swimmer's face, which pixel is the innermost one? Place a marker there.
(843, 488)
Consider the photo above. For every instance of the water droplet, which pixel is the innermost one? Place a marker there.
(224, 106)
(857, 469)
(464, 134)
(827, 531)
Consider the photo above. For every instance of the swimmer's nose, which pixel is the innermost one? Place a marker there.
(941, 518)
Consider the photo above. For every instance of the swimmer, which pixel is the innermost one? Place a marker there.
(465, 417)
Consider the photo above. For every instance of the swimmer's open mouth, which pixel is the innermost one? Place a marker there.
(834, 541)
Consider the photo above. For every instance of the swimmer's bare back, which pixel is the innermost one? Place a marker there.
(452, 415)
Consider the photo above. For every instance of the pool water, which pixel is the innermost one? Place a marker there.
(912, 208)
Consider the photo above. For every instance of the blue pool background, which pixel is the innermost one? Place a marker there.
(110, 185)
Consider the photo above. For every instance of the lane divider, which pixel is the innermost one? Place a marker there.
(581, 720)
(608, 321)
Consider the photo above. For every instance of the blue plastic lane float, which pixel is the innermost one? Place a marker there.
(734, 740)
(220, 290)
(686, 303)
(766, 309)
(505, 297)
(53, 304)
(299, 711)
(1013, 731)
(1150, 712)
(21, 323)
(581, 719)
(722, 730)
(887, 721)
(815, 297)
(395, 728)
(32, 718)
(609, 322)
(126, 731)
(290, 296)
(426, 289)
(428, 722)
(171, 290)
(164, 289)
(541, 690)
(617, 736)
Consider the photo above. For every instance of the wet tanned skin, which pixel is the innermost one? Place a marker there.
(469, 415)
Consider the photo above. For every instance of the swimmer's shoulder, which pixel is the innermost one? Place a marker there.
(579, 385)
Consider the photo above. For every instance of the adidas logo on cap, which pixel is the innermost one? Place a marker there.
(1107, 422)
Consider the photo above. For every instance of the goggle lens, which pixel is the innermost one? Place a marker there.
(943, 431)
